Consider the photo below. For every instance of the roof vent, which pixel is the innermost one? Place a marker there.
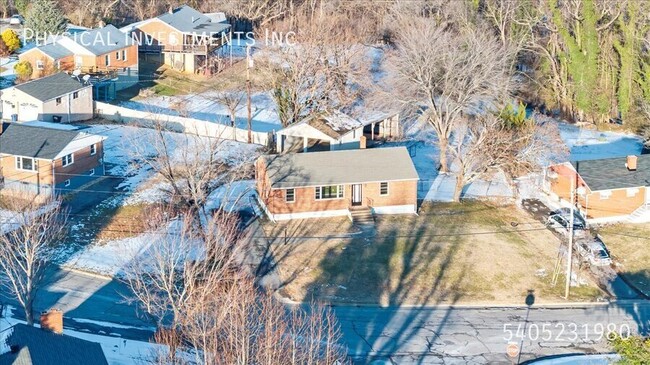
(630, 162)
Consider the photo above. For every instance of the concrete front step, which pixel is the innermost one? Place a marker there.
(362, 215)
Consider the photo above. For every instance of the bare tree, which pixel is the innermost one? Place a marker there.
(183, 260)
(442, 70)
(192, 164)
(233, 100)
(195, 287)
(27, 245)
(324, 68)
(486, 143)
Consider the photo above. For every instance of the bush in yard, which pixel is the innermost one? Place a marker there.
(4, 50)
(23, 70)
(11, 40)
(634, 350)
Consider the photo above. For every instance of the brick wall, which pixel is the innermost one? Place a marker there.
(619, 202)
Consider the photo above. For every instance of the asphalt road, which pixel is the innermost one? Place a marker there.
(479, 335)
(421, 335)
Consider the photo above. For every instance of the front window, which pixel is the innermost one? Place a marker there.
(329, 192)
(117, 55)
(25, 163)
(68, 159)
(107, 60)
(40, 65)
(290, 195)
(123, 55)
(93, 149)
(75, 94)
(383, 188)
(58, 101)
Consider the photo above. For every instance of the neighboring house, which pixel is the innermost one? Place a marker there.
(336, 131)
(106, 55)
(38, 158)
(184, 37)
(57, 98)
(606, 189)
(336, 183)
(21, 344)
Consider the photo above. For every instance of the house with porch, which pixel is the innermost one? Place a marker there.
(606, 190)
(59, 98)
(334, 130)
(184, 38)
(351, 183)
(105, 55)
(47, 158)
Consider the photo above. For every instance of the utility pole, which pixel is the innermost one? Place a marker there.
(249, 65)
(570, 249)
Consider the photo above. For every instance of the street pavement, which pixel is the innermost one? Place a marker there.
(417, 335)
(480, 335)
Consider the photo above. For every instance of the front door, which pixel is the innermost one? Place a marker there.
(356, 194)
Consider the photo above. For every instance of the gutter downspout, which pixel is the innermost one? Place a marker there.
(53, 179)
(69, 107)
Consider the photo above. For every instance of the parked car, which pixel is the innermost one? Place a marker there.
(560, 219)
(16, 20)
(594, 252)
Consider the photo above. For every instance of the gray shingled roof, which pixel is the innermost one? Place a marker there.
(103, 40)
(56, 51)
(50, 87)
(31, 141)
(340, 167)
(189, 20)
(611, 173)
(39, 347)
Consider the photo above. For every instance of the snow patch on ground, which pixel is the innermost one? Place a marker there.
(125, 145)
(205, 106)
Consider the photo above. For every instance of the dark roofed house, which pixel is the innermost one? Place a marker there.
(57, 98)
(335, 130)
(608, 190)
(335, 183)
(21, 344)
(185, 37)
(47, 159)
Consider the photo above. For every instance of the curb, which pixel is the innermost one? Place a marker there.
(87, 273)
(551, 305)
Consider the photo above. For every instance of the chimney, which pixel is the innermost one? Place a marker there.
(52, 320)
(362, 142)
(631, 163)
(171, 9)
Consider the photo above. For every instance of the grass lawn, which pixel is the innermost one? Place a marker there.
(171, 82)
(451, 253)
(629, 245)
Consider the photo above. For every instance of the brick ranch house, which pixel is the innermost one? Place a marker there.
(56, 98)
(611, 189)
(47, 159)
(337, 183)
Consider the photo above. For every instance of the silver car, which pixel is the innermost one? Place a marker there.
(594, 252)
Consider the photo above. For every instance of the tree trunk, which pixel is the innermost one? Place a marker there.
(29, 311)
(443, 144)
(459, 187)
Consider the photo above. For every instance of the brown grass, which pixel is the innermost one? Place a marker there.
(629, 246)
(451, 253)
